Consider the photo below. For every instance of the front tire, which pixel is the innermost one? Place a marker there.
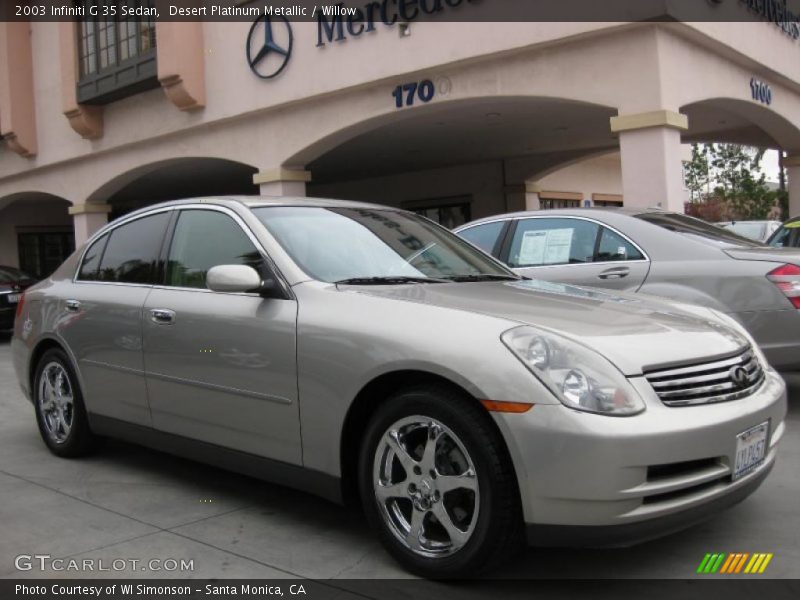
(437, 484)
(60, 412)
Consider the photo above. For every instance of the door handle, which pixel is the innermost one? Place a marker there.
(615, 273)
(162, 316)
(72, 305)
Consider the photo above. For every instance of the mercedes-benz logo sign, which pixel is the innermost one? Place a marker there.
(739, 376)
(269, 46)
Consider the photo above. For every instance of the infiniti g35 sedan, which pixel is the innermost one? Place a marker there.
(366, 354)
(659, 253)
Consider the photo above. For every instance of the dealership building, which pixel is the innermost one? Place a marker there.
(456, 120)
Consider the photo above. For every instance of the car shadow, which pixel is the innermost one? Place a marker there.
(674, 556)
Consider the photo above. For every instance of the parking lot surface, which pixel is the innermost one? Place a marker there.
(131, 503)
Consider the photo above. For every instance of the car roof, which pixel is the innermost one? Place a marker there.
(596, 212)
(260, 201)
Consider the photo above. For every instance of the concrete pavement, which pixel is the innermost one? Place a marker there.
(129, 503)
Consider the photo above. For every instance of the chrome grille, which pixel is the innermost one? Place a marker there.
(703, 383)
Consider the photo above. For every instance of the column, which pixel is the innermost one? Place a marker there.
(650, 148)
(532, 200)
(87, 219)
(282, 182)
(792, 164)
(514, 196)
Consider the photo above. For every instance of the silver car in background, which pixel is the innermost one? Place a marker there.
(758, 231)
(659, 253)
(365, 354)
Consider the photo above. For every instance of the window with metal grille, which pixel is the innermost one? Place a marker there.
(117, 56)
(552, 203)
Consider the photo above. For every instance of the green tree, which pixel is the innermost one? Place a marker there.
(735, 173)
(733, 166)
(696, 172)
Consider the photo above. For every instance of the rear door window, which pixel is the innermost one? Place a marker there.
(90, 266)
(556, 241)
(131, 253)
(613, 247)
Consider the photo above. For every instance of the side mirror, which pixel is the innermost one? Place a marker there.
(233, 278)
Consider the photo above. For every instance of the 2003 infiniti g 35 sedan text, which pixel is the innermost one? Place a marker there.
(358, 351)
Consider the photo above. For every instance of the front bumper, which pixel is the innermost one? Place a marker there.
(615, 480)
(626, 534)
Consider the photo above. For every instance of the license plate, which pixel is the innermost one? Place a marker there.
(13, 298)
(751, 448)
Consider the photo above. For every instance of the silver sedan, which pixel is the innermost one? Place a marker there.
(660, 253)
(368, 355)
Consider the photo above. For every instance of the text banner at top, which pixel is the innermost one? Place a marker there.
(784, 14)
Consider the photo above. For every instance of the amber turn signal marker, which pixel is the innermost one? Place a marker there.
(506, 407)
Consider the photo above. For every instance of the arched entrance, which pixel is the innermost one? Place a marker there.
(170, 179)
(727, 120)
(174, 179)
(738, 121)
(36, 232)
(455, 161)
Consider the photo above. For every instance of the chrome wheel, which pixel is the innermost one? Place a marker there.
(426, 486)
(56, 401)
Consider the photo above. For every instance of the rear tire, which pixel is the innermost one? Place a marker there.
(60, 412)
(437, 484)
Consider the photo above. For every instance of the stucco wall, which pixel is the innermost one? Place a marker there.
(327, 95)
(600, 175)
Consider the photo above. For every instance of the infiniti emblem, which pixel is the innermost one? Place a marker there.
(739, 377)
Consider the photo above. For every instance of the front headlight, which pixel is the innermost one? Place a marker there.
(581, 378)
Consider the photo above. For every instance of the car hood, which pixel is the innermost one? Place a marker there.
(635, 332)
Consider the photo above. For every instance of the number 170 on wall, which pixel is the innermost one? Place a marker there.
(408, 93)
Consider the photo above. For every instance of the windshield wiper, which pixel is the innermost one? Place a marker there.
(484, 277)
(389, 280)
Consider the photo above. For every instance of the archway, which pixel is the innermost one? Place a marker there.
(459, 160)
(738, 121)
(750, 123)
(596, 179)
(174, 179)
(36, 233)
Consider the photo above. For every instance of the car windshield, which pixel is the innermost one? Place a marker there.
(365, 245)
(8, 274)
(696, 227)
(786, 236)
